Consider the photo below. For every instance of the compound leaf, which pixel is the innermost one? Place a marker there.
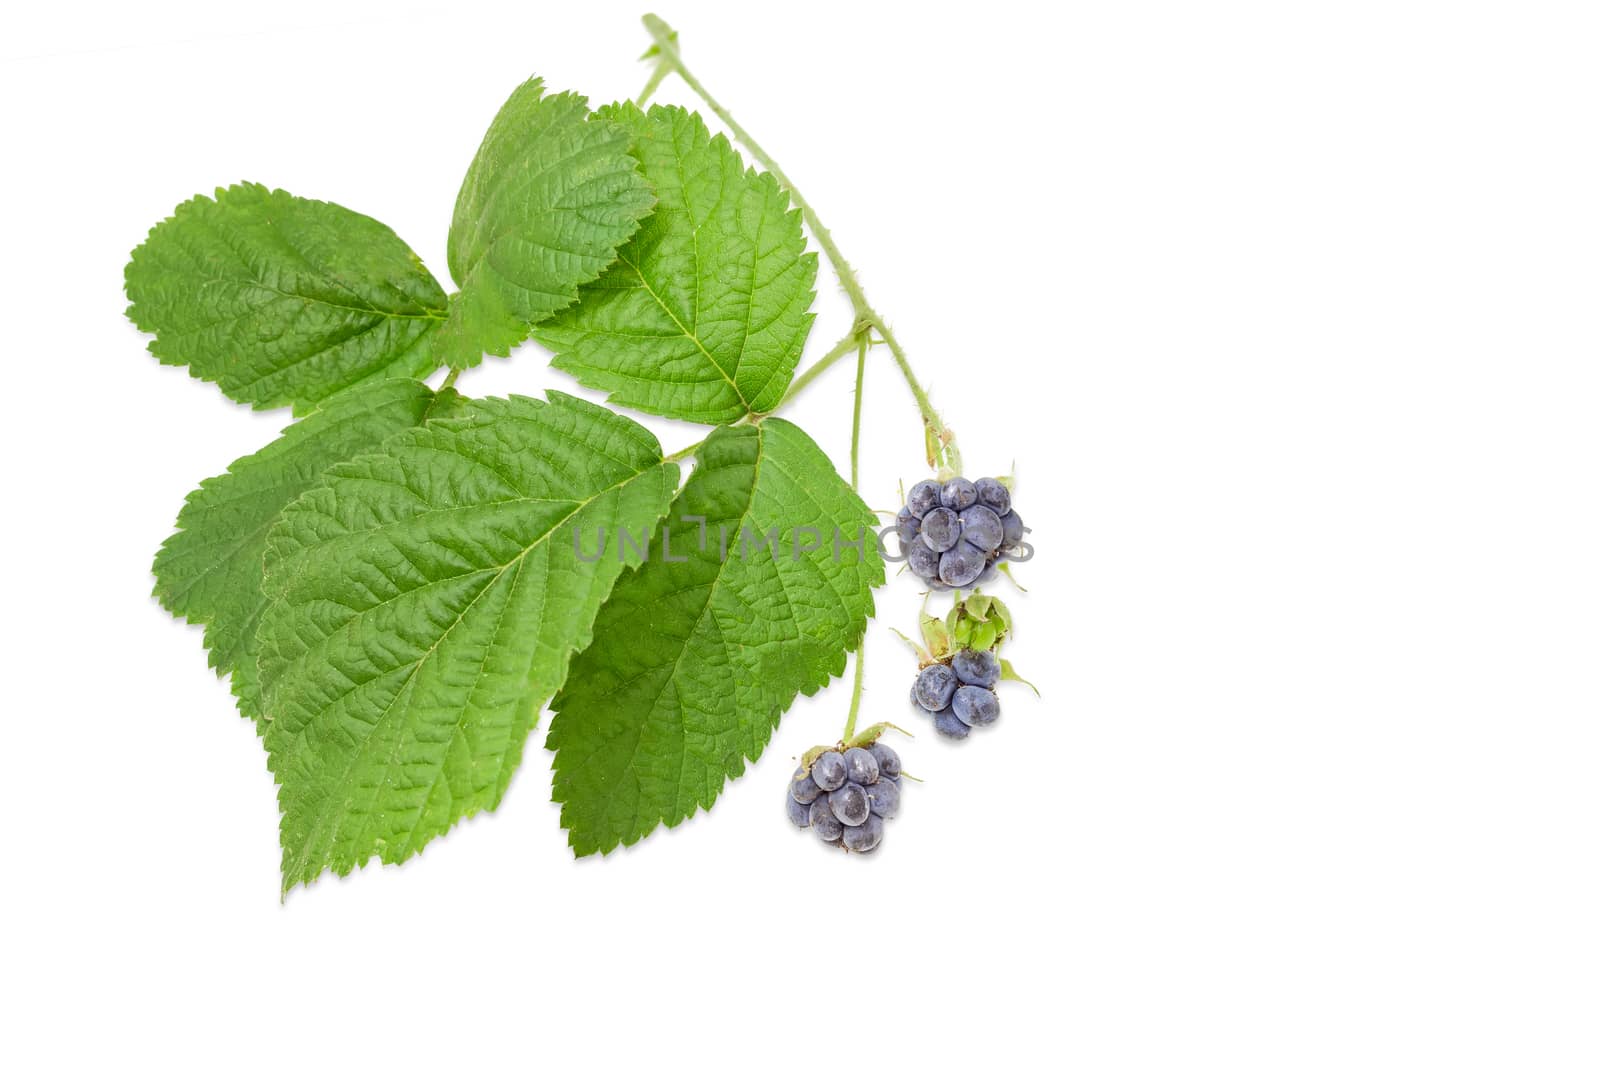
(694, 660)
(209, 571)
(704, 314)
(283, 300)
(425, 601)
(548, 199)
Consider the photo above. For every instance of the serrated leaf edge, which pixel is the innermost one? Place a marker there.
(298, 408)
(808, 258)
(670, 475)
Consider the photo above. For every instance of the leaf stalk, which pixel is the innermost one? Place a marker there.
(855, 420)
(684, 453)
(855, 693)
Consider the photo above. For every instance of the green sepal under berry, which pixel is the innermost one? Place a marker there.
(283, 300)
(980, 622)
(936, 637)
(695, 660)
(1009, 673)
(425, 600)
(551, 194)
(860, 740)
(209, 571)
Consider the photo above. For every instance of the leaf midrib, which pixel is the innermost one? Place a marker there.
(711, 593)
(637, 272)
(316, 825)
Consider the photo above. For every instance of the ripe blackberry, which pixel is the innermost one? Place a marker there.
(845, 797)
(953, 533)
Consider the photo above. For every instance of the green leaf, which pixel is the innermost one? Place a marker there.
(283, 300)
(694, 660)
(550, 196)
(705, 312)
(210, 570)
(425, 601)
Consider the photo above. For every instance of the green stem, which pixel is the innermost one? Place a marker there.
(855, 693)
(686, 451)
(450, 379)
(855, 421)
(941, 439)
(664, 38)
(855, 484)
(846, 345)
(662, 70)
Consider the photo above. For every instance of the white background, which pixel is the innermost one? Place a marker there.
(1287, 316)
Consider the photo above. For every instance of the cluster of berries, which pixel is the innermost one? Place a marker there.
(952, 533)
(844, 797)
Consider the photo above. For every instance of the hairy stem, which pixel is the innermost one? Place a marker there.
(855, 485)
(665, 40)
(941, 440)
(855, 420)
(846, 345)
